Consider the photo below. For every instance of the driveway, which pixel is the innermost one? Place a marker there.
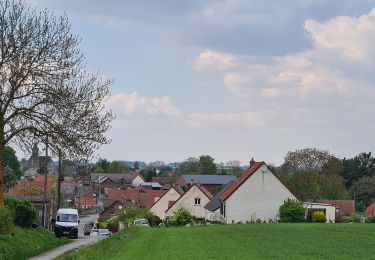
(75, 244)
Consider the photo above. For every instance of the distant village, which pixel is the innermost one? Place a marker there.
(163, 189)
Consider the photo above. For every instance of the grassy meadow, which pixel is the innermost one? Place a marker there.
(241, 241)
(27, 243)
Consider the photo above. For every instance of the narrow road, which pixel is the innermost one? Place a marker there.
(75, 244)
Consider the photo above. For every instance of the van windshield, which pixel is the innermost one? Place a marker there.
(66, 217)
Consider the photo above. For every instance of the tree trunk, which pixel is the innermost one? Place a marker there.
(1, 174)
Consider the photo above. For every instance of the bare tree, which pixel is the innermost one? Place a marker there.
(235, 167)
(45, 89)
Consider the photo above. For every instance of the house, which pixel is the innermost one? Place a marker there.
(256, 194)
(344, 208)
(111, 180)
(162, 204)
(194, 200)
(111, 207)
(140, 196)
(213, 183)
(86, 198)
(213, 206)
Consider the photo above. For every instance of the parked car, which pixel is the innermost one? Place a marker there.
(94, 232)
(142, 222)
(100, 232)
(87, 228)
(104, 232)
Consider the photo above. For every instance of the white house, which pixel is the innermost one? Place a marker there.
(256, 194)
(162, 204)
(194, 200)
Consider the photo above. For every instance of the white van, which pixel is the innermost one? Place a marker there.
(66, 223)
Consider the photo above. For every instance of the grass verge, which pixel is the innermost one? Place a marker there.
(243, 241)
(28, 242)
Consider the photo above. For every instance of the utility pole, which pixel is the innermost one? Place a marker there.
(59, 179)
(44, 220)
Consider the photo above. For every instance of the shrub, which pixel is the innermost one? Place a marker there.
(24, 212)
(318, 217)
(6, 221)
(339, 219)
(372, 220)
(354, 218)
(182, 217)
(25, 215)
(129, 215)
(292, 211)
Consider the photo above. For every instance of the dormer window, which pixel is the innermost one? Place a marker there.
(197, 201)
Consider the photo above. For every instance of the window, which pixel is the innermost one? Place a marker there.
(222, 209)
(197, 201)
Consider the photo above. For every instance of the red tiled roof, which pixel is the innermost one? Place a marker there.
(145, 197)
(244, 177)
(237, 183)
(370, 211)
(347, 207)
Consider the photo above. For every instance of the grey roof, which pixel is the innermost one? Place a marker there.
(215, 203)
(209, 179)
(152, 184)
(35, 199)
(116, 177)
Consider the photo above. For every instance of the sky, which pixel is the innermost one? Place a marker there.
(233, 79)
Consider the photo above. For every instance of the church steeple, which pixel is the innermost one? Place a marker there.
(35, 156)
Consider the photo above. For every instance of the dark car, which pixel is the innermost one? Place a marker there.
(87, 228)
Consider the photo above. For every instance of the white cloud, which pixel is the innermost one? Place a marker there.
(340, 64)
(134, 104)
(214, 60)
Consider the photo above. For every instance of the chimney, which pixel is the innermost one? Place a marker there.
(252, 162)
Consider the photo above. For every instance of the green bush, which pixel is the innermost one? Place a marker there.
(6, 221)
(292, 212)
(339, 219)
(24, 212)
(182, 217)
(318, 217)
(129, 215)
(354, 218)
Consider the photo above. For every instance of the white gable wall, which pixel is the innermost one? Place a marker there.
(161, 205)
(137, 181)
(187, 201)
(259, 197)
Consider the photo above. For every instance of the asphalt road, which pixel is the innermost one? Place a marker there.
(75, 244)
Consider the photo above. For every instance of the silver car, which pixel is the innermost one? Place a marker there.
(142, 222)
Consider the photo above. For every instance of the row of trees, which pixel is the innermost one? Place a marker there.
(317, 174)
(205, 164)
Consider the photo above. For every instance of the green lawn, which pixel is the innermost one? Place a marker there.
(28, 242)
(250, 241)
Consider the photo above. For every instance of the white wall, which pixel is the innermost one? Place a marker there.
(330, 210)
(187, 201)
(258, 198)
(161, 205)
(137, 181)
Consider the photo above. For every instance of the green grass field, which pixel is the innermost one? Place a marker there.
(28, 242)
(250, 241)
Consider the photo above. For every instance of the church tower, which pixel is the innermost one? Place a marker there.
(35, 156)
